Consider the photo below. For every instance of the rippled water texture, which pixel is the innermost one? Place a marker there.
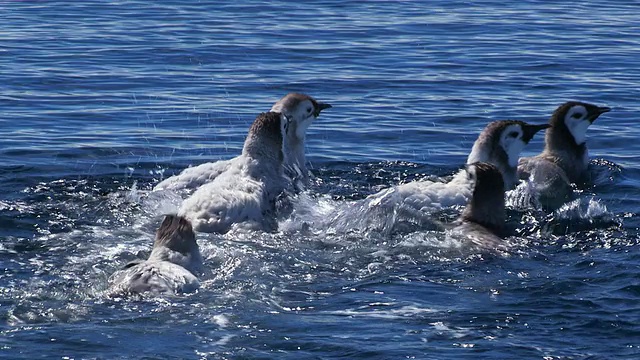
(101, 100)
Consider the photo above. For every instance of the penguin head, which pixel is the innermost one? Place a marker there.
(176, 233)
(301, 110)
(502, 141)
(576, 117)
(514, 136)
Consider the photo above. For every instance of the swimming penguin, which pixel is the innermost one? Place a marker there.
(565, 158)
(300, 109)
(172, 267)
(499, 144)
(481, 224)
(245, 193)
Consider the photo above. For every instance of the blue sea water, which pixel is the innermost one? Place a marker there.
(100, 100)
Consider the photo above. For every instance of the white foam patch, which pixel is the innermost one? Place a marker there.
(157, 203)
(224, 340)
(582, 209)
(430, 239)
(458, 333)
(309, 212)
(220, 320)
(376, 311)
(581, 215)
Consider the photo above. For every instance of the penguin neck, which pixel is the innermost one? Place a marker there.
(560, 145)
(509, 174)
(295, 158)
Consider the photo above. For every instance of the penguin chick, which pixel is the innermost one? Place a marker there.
(171, 267)
(300, 109)
(246, 192)
(499, 143)
(565, 157)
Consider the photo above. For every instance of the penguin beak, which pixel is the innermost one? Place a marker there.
(321, 106)
(597, 111)
(530, 130)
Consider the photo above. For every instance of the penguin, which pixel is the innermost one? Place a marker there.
(300, 109)
(172, 266)
(499, 144)
(244, 194)
(565, 158)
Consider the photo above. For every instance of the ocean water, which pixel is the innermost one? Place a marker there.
(100, 100)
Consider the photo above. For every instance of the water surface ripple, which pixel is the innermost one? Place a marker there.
(103, 99)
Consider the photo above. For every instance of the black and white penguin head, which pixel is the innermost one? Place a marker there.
(301, 110)
(176, 234)
(502, 141)
(576, 117)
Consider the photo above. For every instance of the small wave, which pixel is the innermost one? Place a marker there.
(582, 215)
(387, 311)
(603, 172)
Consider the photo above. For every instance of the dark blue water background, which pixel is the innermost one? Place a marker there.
(100, 100)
